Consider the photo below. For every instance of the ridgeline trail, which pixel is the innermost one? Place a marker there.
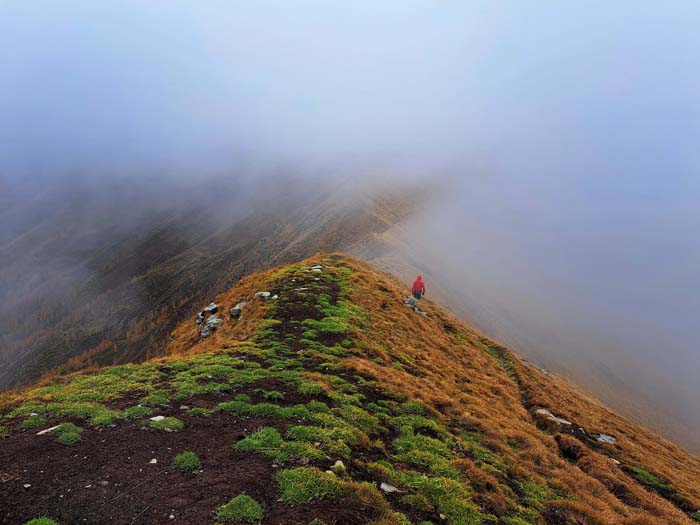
(328, 401)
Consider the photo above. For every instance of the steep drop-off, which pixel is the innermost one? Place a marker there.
(93, 278)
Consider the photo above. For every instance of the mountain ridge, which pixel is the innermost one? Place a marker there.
(93, 282)
(334, 402)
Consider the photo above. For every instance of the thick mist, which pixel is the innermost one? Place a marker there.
(560, 143)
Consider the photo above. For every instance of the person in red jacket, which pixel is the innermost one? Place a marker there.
(418, 288)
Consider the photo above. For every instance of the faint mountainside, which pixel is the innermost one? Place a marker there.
(92, 277)
(402, 251)
(101, 277)
(322, 398)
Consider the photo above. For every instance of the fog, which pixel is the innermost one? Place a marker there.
(561, 141)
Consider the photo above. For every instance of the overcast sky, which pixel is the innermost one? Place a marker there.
(569, 131)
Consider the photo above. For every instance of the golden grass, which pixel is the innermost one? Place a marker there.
(478, 386)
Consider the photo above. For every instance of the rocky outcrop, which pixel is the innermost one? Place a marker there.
(237, 310)
(412, 303)
(211, 325)
(543, 414)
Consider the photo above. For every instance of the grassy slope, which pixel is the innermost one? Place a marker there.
(77, 293)
(341, 370)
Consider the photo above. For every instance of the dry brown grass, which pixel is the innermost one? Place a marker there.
(441, 361)
(446, 364)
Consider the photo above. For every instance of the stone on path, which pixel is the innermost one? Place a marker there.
(552, 417)
(48, 430)
(387, 488)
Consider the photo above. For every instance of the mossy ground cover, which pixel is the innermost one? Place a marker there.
(293, 375)
(282, 408)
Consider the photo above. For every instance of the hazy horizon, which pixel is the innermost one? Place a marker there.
(567, 134)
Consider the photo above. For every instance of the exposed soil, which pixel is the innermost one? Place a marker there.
(107, 477)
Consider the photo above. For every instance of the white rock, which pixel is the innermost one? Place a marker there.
(300, 289)
(552, 417)
(33, 414)
(213, 307)
(27, 485)
(264, 295)
(615, 461)
(48, 430)
(153, 461)
(275, 297)
(157, 418)
(318, 267)
(386, 487)
(604, 438)
(172, 516)
(338, 465)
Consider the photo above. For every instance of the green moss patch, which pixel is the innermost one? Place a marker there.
(137, 412)
(269, 442)
(68, 433)
(32, 422)
(187, 462)
(169, 424)
(304, 484)
(241, 509)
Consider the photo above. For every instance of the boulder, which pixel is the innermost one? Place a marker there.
(211, 309)
(236, 310)
(264, 295)
(412, 303)
(387, 488)
(604, 438)
(211, 325)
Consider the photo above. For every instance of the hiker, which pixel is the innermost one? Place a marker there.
(418, 288)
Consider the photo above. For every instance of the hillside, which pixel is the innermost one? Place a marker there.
(332, 402)
(101, 276)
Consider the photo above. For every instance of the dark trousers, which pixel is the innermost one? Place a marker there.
(417, 295)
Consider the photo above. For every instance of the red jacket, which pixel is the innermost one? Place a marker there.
(418, 285)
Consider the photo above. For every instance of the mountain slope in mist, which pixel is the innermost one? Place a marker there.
(101, 275)
(332, 402)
